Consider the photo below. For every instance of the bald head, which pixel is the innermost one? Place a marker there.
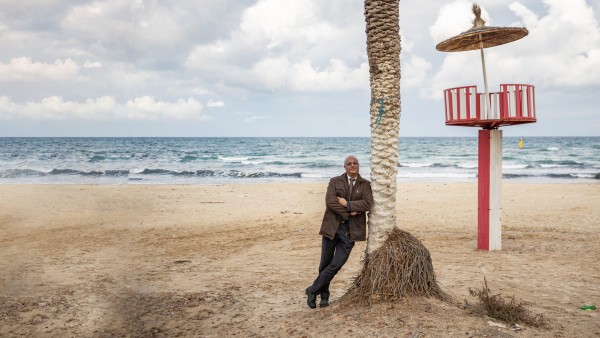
(351, 166)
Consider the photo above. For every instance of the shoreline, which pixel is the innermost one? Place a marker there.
(138, 260)
(312, 180)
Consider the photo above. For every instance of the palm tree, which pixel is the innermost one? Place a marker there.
(396, 264)
(383, 49)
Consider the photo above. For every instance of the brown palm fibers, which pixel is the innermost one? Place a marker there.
(400, 267)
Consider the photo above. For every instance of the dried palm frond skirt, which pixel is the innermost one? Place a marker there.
(400, 267)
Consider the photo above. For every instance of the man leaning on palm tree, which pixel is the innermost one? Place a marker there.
(347, 201)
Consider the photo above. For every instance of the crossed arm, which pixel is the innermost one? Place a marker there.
(344, 208)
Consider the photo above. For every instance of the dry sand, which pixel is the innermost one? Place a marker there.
(233, 260)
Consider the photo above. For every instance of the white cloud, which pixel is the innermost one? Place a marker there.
(279, 45)
(124, 24)
(562, 49)
(414, 72)
(281, 74)
(276, 22)
(255, 118)
(200, 91)
(103, 108)
(90, 64)
(528, 17)
(454, 18)
(24, 69)
(212, 103)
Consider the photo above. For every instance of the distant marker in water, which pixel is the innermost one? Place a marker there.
(521, 143)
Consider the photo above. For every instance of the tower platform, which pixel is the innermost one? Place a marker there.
(514, 104)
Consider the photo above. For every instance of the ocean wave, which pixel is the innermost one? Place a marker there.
(467, 165)
(233, 159)
(588, 176)
(14, 173)
(265, 162)
(100, 158)
(515, 166)
(415, 165)
(561, 175)
(437, 175)
(313, 175)
(560, 164)
(21, 173)
(156, 172)
(509, 176)
(554, 175)
(427, 165)
(320, 165)
(64, 172)
(188, 158)
(267, 174)
(116, 172)
(89, 173)
(96, 158)
(218, 173)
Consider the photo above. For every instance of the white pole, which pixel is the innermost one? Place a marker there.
(495, 204)
(485, 83)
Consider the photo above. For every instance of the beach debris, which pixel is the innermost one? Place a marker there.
(506, 309)
(290, 212)
(400, 267)
(517, 328)
(417, 334)
(590, 307)
(494, 324)
(182, 261)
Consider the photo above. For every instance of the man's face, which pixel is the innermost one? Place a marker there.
(351, 166)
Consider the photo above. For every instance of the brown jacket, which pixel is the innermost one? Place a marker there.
(361, 202)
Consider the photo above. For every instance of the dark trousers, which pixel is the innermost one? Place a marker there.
(334, 254)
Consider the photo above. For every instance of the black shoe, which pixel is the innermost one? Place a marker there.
(324, 301)
(311, 299)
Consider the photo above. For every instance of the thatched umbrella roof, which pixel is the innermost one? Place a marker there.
(481, 36)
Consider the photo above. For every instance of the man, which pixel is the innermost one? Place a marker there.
(348, 199)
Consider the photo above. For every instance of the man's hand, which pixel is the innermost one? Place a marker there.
(354, 213)
(342, 201)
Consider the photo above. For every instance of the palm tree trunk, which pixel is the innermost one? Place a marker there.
(397, 264)
(383, 49)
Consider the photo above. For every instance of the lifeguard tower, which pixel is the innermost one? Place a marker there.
(513, 104)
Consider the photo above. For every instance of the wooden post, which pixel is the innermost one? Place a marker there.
(489, 235)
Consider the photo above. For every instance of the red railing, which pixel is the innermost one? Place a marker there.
(514, 104)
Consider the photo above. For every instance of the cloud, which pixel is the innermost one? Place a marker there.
(280, 74)
(90, 64)
(24, 69)
(454, 18)
(103, 108)
(562, 49)
(287, 46)
(255, 118)
(414, 72)
(124, 24)
(154, 32)
(212, 103)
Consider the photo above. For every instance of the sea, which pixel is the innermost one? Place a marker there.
(218, 160)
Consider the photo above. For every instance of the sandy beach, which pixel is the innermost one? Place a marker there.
(233, 260)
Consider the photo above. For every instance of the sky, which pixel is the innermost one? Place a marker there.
(294, 68)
